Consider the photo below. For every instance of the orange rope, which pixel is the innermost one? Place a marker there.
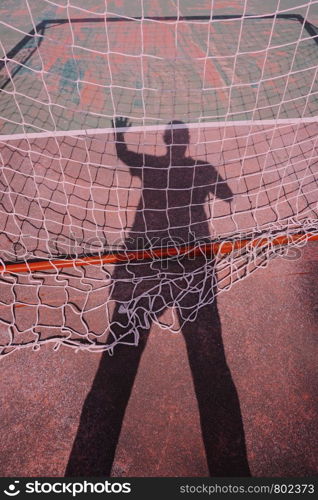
(222, 248)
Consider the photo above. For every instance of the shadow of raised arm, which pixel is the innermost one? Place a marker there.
(131, 158)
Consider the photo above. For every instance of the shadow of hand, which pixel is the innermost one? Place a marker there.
(120, 122)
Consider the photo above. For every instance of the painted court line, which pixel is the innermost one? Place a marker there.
(154, 128)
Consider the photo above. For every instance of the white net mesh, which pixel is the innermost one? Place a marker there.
(217, 145)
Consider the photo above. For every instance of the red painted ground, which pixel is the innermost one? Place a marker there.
(268, 322)
(269, 329)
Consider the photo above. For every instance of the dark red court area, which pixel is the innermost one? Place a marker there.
(95, 96)
(268, 327)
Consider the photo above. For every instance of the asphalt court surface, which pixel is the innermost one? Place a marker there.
(83, 68)
(268, 321)
(88, 65)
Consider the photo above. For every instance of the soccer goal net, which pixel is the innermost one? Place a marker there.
(151, 157)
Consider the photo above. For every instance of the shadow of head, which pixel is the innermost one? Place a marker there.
(176, 137)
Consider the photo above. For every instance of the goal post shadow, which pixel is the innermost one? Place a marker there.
(34, 38)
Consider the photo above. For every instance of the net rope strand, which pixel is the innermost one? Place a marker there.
(151, 166)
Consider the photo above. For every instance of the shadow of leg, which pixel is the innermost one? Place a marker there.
(220, 414)
(103, 411)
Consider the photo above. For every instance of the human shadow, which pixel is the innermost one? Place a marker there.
(174, 190)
